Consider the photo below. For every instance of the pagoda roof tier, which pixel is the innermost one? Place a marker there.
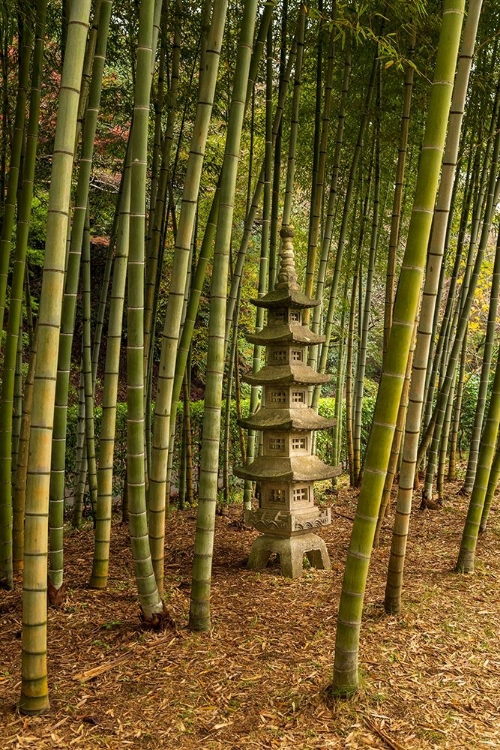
(287, 469)
(285, 297)
(286, 375)
(286, 420)
(285, 334)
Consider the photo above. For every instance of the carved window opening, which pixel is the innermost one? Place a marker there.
(297, 355)
(295, 316)
(299, 443)
(300, 494)
(278, 397)
(277, 496)
(298, 397)
(280, 316)
(280, 356)
(276, 443)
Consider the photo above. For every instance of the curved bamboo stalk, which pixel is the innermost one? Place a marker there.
(478, 210)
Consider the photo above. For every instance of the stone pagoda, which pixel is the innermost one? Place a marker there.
(287, 469)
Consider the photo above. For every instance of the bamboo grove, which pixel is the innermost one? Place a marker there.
(150, 154)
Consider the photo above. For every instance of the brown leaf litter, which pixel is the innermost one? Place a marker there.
(260, 678)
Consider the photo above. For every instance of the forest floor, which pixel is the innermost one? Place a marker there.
(260, 678)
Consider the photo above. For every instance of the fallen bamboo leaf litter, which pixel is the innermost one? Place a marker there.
(260, 678)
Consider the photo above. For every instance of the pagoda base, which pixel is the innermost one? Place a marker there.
(291, 553)
(286, 523)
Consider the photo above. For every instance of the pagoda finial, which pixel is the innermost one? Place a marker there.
(287, 277)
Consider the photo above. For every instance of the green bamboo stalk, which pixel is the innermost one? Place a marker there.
(173, 318)
(150, 600)
(158, 215)
(276, 197)
(490, 492)
(18, 403)
(445, 436)
(365, 318)
(34, 689)
(9, 207)
(398, 192)
(87, 370)
(395, 448)
(199, 616)
(479, 207)
(318, 188)
(331, 210)
(19, 499)
(333, 192)
(394, 582)
(57, 479)
(80, 478)
(339, 384)
(485, 374)
(348, 385)
(466, 555)
(294, 119)
(252, 212)
(208, 239)
(100, 564)
(463, 312)
(255, 394)
(452, 464)
(16, 296)
(345, 679)
(345, 217)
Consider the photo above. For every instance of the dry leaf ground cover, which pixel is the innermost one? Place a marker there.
(430, 678)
